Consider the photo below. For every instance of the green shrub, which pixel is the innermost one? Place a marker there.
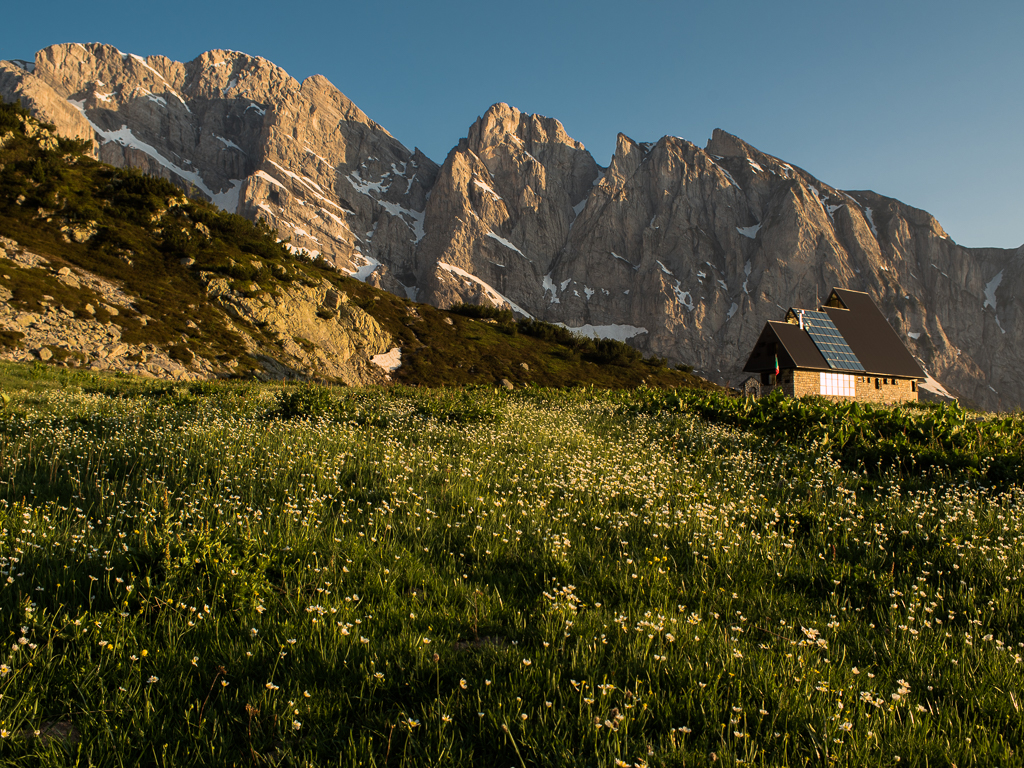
(943, 443)
(304, 401)
(548, 332)
(613, 352)
(483, 312)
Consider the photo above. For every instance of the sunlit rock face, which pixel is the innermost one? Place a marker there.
(240, 131)
(699, 247)
(684, 251)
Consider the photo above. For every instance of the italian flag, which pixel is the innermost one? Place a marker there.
(776, 365)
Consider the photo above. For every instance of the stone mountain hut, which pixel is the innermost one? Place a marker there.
(845, 350)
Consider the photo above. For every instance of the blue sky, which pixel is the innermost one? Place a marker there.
(920, 101)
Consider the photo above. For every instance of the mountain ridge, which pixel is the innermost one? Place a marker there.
(110, 269)
(686, 251)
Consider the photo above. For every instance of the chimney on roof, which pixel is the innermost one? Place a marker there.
(801, 319)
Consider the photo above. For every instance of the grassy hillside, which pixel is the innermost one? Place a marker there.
(247, 574)
(146, 236)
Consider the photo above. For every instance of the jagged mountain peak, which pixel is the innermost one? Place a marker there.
(728, 149)
(724, 144)
(685, 251)
(624, 144)
(625, 160)
(226, 70)
(502, 122)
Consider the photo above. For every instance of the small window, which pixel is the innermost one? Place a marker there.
(913, 386)
(878, 383)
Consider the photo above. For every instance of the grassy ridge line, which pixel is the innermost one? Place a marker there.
(241, 574)
(460, 347)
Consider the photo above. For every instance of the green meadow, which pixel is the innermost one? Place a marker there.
(257, 575)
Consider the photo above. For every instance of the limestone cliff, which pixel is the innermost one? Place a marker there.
(239, 131)
(502, 208)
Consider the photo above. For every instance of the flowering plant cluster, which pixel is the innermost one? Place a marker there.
(562, 578)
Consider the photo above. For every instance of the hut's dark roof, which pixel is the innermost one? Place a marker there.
(793, 346)
(874, 342)
(862, 325)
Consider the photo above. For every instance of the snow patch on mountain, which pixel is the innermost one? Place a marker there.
(550, 287)
(932, 386)
(627, 261)
(227, 200)
(390, 361)
(617, 332)
(486, 188)
(506, 243)
(126, 138)
(990, 291)
(868, 214)
(228, 143)
(496, 298)
(369, 266)
(683, 297)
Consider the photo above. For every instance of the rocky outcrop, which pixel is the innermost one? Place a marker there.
(683, 250)
(57, 334)
(318, 331)
(35, 94)
(314, 332)
(502, 209)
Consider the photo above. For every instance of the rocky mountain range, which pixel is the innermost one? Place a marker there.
(684, 251)
(110, 269)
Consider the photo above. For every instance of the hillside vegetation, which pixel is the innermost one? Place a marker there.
(250, 574)
(168, 253)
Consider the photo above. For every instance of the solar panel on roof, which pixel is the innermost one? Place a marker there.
(830, 341)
